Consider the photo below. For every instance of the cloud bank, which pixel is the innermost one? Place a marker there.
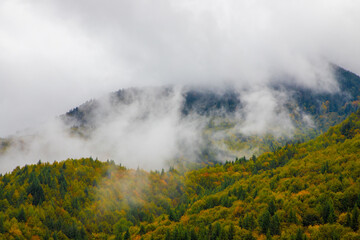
(146, 128)
(57, 54)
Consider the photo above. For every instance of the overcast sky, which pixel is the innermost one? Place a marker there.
(54, 55)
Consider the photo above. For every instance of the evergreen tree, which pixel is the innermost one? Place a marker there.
(168, 235)
(355, 218)
(172, 215)
(358, 200)
(328, 213)
(348, 220)
(63, 183)
(272, 207)
(292, 216)
(231, 232)
(249, 236)
(275, 225)
(142, 230)
(35, 189)
(127, 235)
(248, 222)
(21, 217)
(299, 235)
(268, 235)
(2, 228)
(216, 232)
(264, 221)
(193, 235)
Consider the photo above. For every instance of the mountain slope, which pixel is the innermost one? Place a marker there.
(187, 127)
(304, 190)
(210, 102)
(232, 122)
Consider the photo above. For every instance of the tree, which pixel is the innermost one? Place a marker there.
(2, 228)
(249, 236)
(62, 183)
(216, 231)
(142, 230)
(272, 207)
(118, 236)
(21, 217)
(355, 218)
(231, 232)
(35, 189)
(168, 235)
(348, 220)
(127, 235)
(299, 235)
(193, 235)
(328, 213)
(292, 216)
(275, 225)
(264, 221)
(248, 222)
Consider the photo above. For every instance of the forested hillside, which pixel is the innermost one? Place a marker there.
(301, 191)
(306, 113)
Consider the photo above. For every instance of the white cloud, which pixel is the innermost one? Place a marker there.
(57, 54)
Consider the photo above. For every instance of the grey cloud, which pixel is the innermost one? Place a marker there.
(57, 54)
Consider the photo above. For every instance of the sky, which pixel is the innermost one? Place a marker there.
(55, 55)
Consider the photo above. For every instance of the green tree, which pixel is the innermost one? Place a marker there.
(142, 230)
(348, 220)
(35, 189)
(292, 216)
(127, 235)
(2, 228)
(21, 217)
(264, 221)
(328, 213)
(275, 225)
(299, 235)
(248, 222)
(355, 218)
(231, 232)
(272, 207)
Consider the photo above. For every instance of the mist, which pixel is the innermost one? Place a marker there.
(55, 55)
(147, 129)
(58, 54)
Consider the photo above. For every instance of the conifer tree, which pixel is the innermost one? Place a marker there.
(231, 232)
(2, 228)
(35, 189)
(275, 225)
(355, 218)
(21, 217)
(264, 221)
(299, 235)
(127, 235)
(292, 216)
(272, 207)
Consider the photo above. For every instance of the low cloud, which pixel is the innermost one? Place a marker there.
(148, 133)
(58, 54)
(146, 128)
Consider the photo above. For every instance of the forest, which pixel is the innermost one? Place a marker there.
(308, 190)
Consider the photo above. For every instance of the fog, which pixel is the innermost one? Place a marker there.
(146, 128)
(55, 55)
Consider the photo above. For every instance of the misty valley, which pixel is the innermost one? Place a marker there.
(276, 162)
